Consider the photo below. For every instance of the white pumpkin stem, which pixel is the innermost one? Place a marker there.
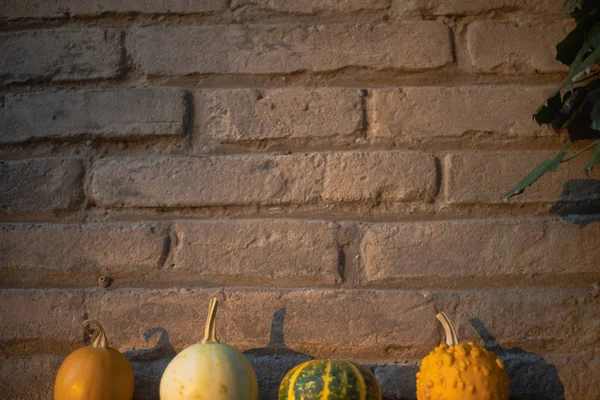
(99, 339)
(451, 336)
(210, 332)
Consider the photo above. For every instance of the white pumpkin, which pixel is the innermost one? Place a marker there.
(209, 370)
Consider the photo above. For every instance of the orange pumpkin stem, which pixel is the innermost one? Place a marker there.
(99, 339)
(210, 332)
(451, 336)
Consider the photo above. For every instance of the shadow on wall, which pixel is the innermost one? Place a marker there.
(271, 363)
(571, 208)
(149, 364)
(531, 376)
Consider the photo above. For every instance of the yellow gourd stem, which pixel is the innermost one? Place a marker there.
(99, 339)
(210, 332)
(451, 336)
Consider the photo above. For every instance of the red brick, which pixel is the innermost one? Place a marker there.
(379, 177)
(77, 255)
(61, 8)
(60, 54)
(35, 321)
(461, 7)
(255, 252)
(475, 253)
(241, 115)
(341, 322)
(453, 112)
(28, 378)
(244, 180)
(40, 322)
(510, 47)
(288, 48)
(313, 6)
(120, 113)
(41, 184)
(536, 320)
(570, 376)
(486, 178)
(577, 374)
(210, 181)
(271, 367)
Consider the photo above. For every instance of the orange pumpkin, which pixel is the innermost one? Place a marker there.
(94, 372)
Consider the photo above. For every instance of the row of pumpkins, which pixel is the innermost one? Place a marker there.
(215, 371)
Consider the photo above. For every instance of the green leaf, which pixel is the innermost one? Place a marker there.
(592, 37)
(544, 167)
(594, 159)
(566, 51)
(595, 116)
(548, 111)
(587, 56)
(579, 9)
(570, 6)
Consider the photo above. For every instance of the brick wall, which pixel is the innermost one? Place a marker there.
(333, 171)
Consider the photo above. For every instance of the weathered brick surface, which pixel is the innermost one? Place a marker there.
(314, 165)
(61, 8)
(314, 6)
(525, 319)
(105, 113)
(41, 184)
(211, 181)
(451, 112)
(287, 48)
(77, 255)
(379, 177)
(509, 47)
(460, 7)
(397, 381)
(240, 115)
(532, 376)
(271, 368)
(28, 378)
(269, 252)
(60, 54)
(576, 373)
(295, 179)
(405, 321)
(40, 322)
(479, 253)
(474, 178)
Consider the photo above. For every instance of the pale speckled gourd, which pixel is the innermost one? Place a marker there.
(209, 370)
(94, 372)
(329, 380)
(461, 372)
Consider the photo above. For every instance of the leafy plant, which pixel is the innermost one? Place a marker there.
(575, 106)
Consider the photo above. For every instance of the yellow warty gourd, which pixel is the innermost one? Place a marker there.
(461, 372)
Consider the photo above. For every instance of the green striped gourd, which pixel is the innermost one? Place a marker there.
(329, 380)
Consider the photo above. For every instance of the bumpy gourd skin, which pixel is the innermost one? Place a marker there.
(462, 372)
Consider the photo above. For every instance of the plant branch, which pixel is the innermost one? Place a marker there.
(586, 148)
(587, 78)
